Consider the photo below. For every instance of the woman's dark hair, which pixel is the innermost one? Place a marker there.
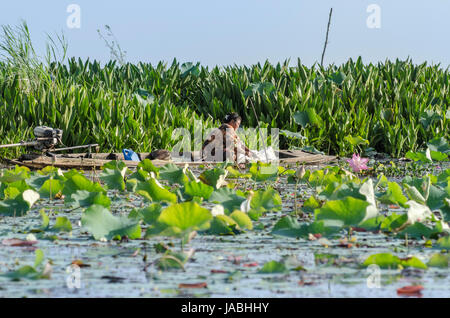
(230, 117)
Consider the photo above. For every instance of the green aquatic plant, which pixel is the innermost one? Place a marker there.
(31, 272)
(62, 224)
(263, 171)
(393, 195)
(444, 243)
(173, 174)
(438, 149)
(404, 103)
(439, 260)
(186, 216)
(289, 226)
(261, 201)
(148, 214)
(230, 199)
(273, 267)
(214, 177)
(198, 189)
(153, 191)
(114, 178)
(84, 199)
(173, 260)
(349, 210)
(386, 260)
(148, 166)
(235, 223)
(75, 181)
(104, 226)
(20, 204)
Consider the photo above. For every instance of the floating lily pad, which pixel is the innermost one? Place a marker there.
(419, 230)
(424, 156)
(393, 222)
(173, 174)
(393, 195)
(76, 181)
(114, 178)
(172, 260)
(62, 224)
(338, 191)
(439, 260)
(37, 179)
(228, 198)
(186, 216)
(288, 226)
(30, 272)
(263, 171)
(266, 200)
(102, 224)
(443, 243)
(138, 175)
(438, 156)
(148, 166)
(16, 174)
(310, 204)
(13, 189)
(223, 225)
(349, 210)
(273, 267)
(114, 164)
(414, 194)
(198, 189)
(214, 177)
(152, 190)
(436, 197)
(20, 205)
(384, 260)
(83, 198)
(149, 214)
(260, 202)
(372, 224)
(51, 188)
(413, 262)
(27, 272)
(242, 219)
(387, 260)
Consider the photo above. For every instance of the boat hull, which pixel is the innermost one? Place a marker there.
(96, 161)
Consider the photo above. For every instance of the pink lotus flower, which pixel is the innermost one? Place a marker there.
(357, 163)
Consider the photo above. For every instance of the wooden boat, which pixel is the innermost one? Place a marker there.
(94, 161)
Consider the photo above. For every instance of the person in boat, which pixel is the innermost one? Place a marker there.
(224, 144)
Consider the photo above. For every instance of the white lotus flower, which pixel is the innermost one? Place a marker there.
(368, 191)
(217, 210)
(31, 237)
(417, 212)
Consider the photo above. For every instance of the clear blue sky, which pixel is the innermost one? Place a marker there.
(244, 31)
